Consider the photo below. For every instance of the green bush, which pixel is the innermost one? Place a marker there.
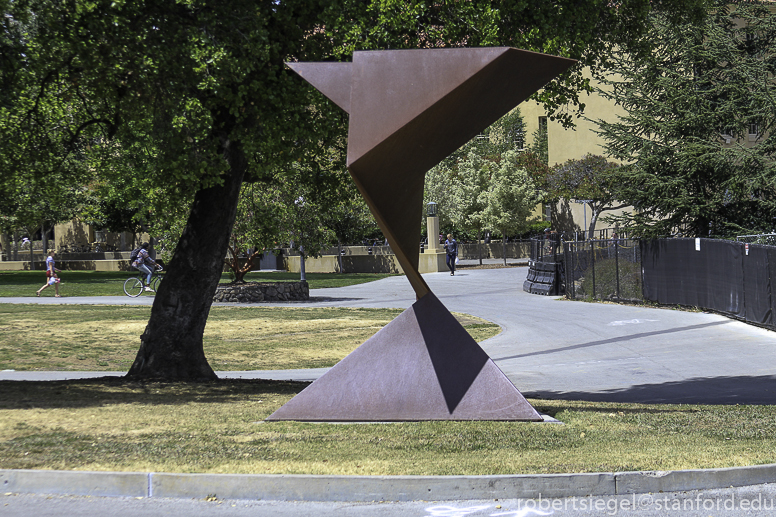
(535, 229)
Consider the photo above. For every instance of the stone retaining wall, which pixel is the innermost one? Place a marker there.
(251, 292)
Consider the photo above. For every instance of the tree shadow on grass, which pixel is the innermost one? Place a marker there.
(103, 391)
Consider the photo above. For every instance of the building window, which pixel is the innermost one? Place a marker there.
(727, 134)
(518, 139)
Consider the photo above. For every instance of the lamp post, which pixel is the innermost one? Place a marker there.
(432, 225)
(302, 275)
(584, 211)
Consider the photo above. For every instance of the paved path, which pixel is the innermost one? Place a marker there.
(554, 348)
(756, 501)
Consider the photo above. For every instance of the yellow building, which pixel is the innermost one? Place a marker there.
(572, 144)
(71, 240)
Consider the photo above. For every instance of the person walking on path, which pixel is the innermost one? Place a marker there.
(142, 262)
(451, 247)
(51, 275)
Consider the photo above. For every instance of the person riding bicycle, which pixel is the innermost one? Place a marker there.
(143, 263)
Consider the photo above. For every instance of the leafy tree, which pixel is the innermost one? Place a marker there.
(342, 214)
(474, 166)
(506, 134)
(192, 85)
(119, 205)
(351, 222)
(692, 107)
(538, 171)
(299, 203)
(510, 198)
(198, 90)
(304, 220)
(540, 144)
(439, 188)
(29, 205)
(472, 181)
(591, 178)
(257, 227)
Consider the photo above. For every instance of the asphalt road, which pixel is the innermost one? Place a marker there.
(757, 501)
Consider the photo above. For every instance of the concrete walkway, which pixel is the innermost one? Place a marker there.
(554, 348)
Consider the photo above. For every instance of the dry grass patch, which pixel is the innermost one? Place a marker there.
(105, 338)
(218, 427)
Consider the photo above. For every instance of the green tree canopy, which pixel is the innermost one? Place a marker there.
(510, 198)
(591, 179)
(194, 97)
(458, 183)
(471, 182)
(697, 139)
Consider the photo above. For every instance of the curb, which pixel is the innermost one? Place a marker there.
(302, 487)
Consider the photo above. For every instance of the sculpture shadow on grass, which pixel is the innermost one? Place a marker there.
(729, 390)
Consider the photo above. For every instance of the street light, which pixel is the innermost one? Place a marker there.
(302, 275)
(584, 211)
(432, 227)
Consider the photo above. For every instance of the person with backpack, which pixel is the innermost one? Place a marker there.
(143, 263)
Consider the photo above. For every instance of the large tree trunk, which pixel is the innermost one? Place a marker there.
(591, 228)
(171, 347)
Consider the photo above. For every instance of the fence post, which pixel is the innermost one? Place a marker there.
(592, 263)
(641, 265)
(566, 262)
(573, 269)
(570, 260)
(617, 266)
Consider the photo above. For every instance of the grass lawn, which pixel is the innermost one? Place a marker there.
(103, 337)
(109, 283)
(218, 427)
(111, 424)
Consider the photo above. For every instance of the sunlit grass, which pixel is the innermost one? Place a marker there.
(219, 427)
(99, 337)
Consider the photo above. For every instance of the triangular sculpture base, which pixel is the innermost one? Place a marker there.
(421, 366)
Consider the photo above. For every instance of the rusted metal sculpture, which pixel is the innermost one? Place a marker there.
(409, 109)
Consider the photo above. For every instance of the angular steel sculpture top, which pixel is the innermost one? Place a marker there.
(409, 109)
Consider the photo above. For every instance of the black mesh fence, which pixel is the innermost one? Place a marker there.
(546, 249)
(608, 269)
(733, 278)
(695, 272)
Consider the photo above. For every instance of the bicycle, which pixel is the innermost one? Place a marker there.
(133, 286)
